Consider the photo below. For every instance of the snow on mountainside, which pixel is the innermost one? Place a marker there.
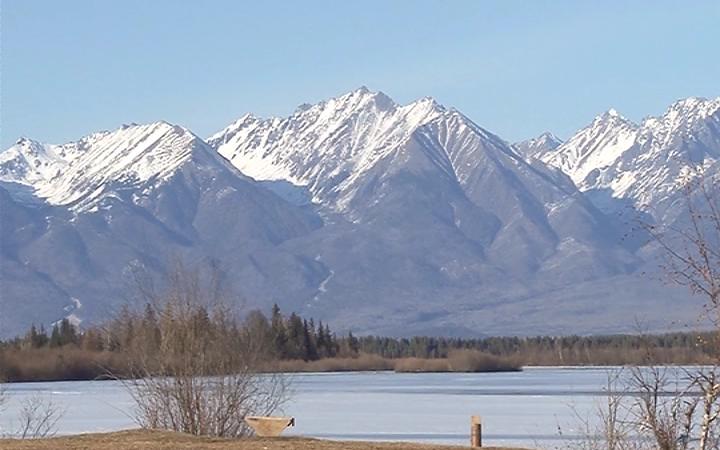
(614, 158)
(81, 173)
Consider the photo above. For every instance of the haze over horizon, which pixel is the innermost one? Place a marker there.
(69, 70)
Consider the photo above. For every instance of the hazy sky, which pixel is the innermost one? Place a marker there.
(517, 68)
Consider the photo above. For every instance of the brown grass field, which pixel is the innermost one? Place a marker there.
(163, 440)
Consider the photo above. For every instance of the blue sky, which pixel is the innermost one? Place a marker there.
(517, 68)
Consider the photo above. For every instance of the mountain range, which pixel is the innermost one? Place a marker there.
(376, 217)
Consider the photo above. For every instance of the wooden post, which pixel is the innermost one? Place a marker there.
(475, 432)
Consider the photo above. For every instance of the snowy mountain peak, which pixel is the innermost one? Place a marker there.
(549, 138)
(363, 93)
(697, 105)
(362, 90)
(363, 97)
(612, 112)
(325, 146)
(537, 146)
(684, 114)
(612, 117)
(596, 145)
(30, 161)
(24, 141)
(29, 146)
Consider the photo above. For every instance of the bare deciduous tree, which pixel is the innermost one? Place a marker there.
(664, 408)
(706, 379)
(3, 400)
(612, 427)
(192, 368)
(3, 395)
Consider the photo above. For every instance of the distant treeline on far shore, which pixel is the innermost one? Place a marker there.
(294, 344)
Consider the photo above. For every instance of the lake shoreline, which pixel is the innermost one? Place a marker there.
(310, 369)
(165, 440)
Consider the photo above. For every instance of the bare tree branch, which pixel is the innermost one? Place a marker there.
(38, 418)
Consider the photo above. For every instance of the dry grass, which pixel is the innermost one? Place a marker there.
(71, 363)
(422, 365)
(164, 440)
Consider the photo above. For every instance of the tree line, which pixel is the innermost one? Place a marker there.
(281, 337)
(680, 347)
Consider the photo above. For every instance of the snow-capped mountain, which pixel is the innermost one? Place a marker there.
(379, 217)
(536, 146)
(614, 159)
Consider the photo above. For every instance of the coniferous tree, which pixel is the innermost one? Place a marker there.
(295, 331)
(352, 344)
(35, 338)
(332, 345)
(55, 340)
(92, 341)
(279, 334)
(322, 344)
(257, 333)
(150, 329)
(42, 338)
(68, 333)
(310, 349)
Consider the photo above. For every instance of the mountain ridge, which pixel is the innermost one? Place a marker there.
(616, 159)
(380, 217)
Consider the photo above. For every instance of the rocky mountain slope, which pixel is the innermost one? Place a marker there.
(79, 218)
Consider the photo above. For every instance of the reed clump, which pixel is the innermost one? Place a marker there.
(59, 364)
(459, 361)
(361, 363)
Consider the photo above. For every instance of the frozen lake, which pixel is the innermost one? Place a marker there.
(523, 408)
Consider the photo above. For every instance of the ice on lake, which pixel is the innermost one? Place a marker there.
(525, 408)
